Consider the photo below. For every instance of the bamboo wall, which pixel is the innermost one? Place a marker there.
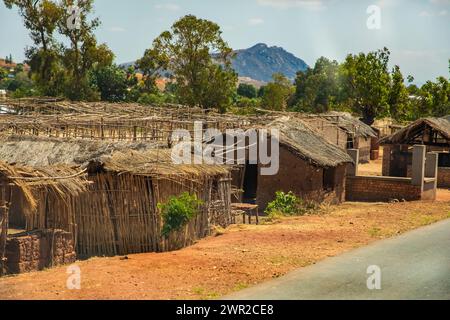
(119, 214)
(4, 210)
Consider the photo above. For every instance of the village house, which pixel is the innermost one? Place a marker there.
(106, 194)
(347, 132)
(434, 133)
(309, 166)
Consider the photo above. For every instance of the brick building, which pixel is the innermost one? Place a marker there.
(434, 133)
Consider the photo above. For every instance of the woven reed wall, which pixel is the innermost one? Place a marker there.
(119, 214)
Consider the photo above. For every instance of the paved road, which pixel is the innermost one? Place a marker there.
(415, 265)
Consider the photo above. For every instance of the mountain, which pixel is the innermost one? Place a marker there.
(260, 62)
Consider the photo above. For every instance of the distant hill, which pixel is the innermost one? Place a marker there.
(260, 62)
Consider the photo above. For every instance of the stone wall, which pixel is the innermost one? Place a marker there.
(37, 250)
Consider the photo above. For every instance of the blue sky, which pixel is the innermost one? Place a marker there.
(416, 31)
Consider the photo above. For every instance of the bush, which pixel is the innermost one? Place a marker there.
(288, 204)
(178, 211)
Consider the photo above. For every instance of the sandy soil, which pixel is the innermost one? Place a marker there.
(240, 257)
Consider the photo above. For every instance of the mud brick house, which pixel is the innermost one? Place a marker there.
(434, 133)
(345, 131)
(310, 166)
(106, 194)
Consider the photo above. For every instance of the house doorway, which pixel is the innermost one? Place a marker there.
(250, 184)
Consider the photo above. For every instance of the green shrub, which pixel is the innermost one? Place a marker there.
(178, 211)
(288, 204)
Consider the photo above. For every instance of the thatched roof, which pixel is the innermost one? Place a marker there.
(40, 151)
(158, 163)
(63, 180)
(350, 124)
(306, 143)
(407, 134)
(137, 158)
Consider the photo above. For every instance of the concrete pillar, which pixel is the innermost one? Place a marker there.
(418, 165)
(352, 169)
(431, 166)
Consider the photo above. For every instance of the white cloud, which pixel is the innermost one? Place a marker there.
(313, 5)
(443, 13)
(255, 21)
(168, 6)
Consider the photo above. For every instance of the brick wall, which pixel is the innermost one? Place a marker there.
(302, 178)
(38, 250)
(443, 177)
(382, 189)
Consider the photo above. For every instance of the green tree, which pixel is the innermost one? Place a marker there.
(3, 74)
(398, 98)
(435, 98)
(318, 89)
(186, 50)
(367, 83)
(152, 66)
(84, 53)
(277, 93)
(40, 18)
(247, 90)
(112, 83)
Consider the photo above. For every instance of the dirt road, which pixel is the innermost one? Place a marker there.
(241, 257)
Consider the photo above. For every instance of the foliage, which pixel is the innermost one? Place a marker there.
(178, 211)
(247, 91)
(151, 65)
(366, 83)
(277, 93)
(185, 50)
(398, 98)
(288, 204)
(245, 106)
(112, 83)
(55, 68)
(318, 89)
(3, 74)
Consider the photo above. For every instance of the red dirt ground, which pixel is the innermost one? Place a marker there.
(242, 256)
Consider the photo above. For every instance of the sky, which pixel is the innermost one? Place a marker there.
(417, 32)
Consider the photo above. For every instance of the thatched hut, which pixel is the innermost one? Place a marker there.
(347, 132)
(434, 133)
(310, 166)
(21, 190)
(117, 213)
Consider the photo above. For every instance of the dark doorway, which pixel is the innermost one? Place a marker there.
(250, 183)
(400, 157)
(329, 179)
